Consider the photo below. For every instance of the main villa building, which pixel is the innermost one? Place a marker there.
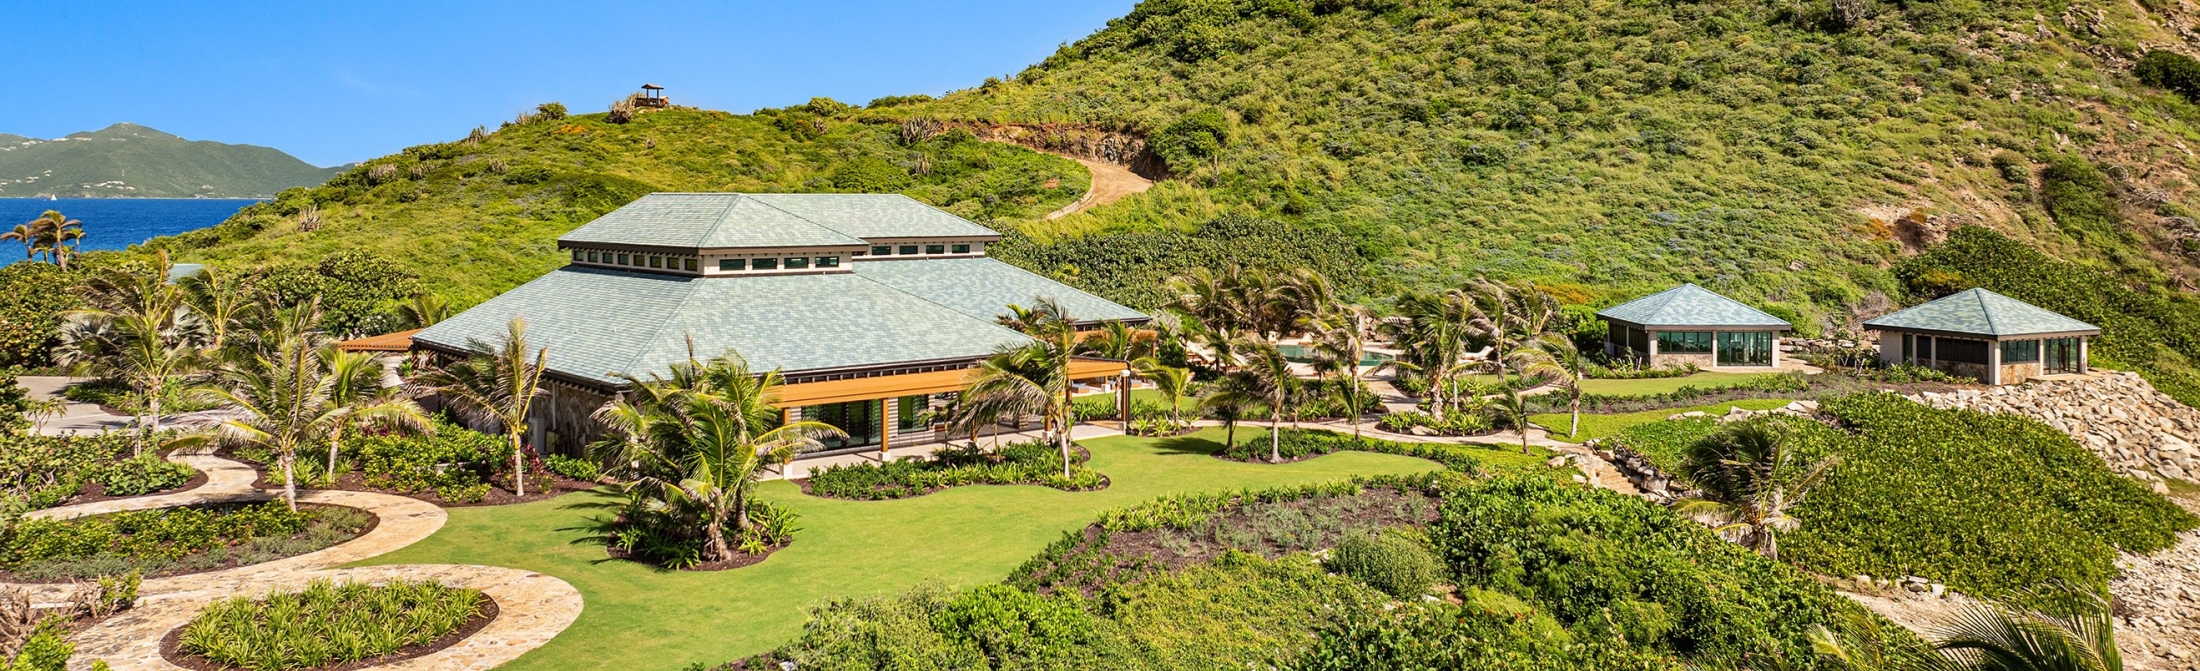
(871, 306)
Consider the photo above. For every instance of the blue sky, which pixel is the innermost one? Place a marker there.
(341, 82)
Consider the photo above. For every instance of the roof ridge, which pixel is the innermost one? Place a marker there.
(813, 222)
(944, 306)
(724, 213)
(1979, 294)
(635, 361)
(1021, 269)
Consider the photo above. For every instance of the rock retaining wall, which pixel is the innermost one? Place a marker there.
(2140, 432)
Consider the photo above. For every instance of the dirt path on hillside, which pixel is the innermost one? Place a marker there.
(1110, 183)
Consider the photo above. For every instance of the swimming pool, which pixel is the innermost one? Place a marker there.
(1301, 354)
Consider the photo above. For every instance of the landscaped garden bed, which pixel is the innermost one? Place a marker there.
(173, 541)
(329, 627)
(452, 467)
(1298, 444)
(39, 472)
(1023, 463)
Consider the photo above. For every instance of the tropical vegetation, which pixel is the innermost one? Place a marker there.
(1020, 463)
(173, 540)
(328, 623)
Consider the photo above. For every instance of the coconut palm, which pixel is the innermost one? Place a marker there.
(1229, 400)
(1750, 476)
(24, 235)
(223, 303)
(1272, 380)
(423, 310)
(137, 330)
(1340, 343)
(2073, 632)
(1118, 341)
(1294, 300)
(64, 241)
(1434, 337)
(363, 393)
(1513, 408)
(1554, 357)
(53, 234)
(1030, 378)
(280, 402)
(1174, 384)
(1229, 303)
(497, 382)
(703, 437)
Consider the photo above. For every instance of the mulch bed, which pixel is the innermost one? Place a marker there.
(739, 560)
(372, 522)
(171, 646)
(93, 492)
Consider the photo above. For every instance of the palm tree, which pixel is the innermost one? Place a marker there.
(497, 382)
(1514, 409)
(54, 234)
(223, 303)
(1229, 400)
(1272, 379)
(1118, 341)
(422, 311)
(1295, 299)
(1033, 377)
(281, 402)
(1750, 477)
(704, 436)
(2074, 632)
(362, 392)
(23, 234)
(137, 330)
(1554, 356)
(1434, 337)
(1171, 382)
(1340, 344)
(64, 243)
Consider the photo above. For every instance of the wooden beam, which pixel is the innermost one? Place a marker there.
(885, 428)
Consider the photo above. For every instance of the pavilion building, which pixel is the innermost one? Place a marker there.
(872, 306)
(1986, 336)
(1689, 324)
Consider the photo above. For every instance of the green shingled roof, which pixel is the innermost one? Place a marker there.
(596, 322)
(983, 288)
(1982, 312)
(735, 220)
(1689, 305)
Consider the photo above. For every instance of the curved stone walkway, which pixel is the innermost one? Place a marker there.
(532, 607)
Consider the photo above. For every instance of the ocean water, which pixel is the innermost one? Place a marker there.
(117, 223)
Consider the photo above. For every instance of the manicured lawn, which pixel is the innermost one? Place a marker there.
(1107, 400)
(1664, 385)
(641, 618)
(1599, 426)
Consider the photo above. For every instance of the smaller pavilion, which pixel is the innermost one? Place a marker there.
(1689, 324)
(1984, 335)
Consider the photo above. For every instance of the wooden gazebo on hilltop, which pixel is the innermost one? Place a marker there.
(653, 97)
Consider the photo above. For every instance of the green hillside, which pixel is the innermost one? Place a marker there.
(132, 161)
(1789, 154)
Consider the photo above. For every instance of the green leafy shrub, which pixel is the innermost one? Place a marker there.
(32, 297)
(328, 623)
(1455, 423)
(573, 467)
(143, 474)
(47, 649)
(43, 471)
(1492, 632)
(1296, 443)
(452, 458)
(1617, 567)
(174, 540)
(1928, 492)
(673, 536)
(1395, 562)
(1029, 462)
(2170, 70)
(550, 111)
(1193, 140)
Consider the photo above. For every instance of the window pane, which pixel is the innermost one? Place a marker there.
(732, 264)
(622, 260)
(882, 250)
(935, 249)
(828, 262)
(2020, 351)
(689, 265)
(1962, 350)
(794, 262)
(765, 264)
(1745, 348)
(656, 262)
(1684, 342)
(591, 257)
(908, 249)
(962, 249)
(577, 255)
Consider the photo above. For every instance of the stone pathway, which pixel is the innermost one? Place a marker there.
(532, 607)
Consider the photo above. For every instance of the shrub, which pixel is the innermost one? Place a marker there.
(550, 111)
(328, 623)
(1395, 562)
(1192, 140)
(174, 540)
(1023, 463)
(43, 471)
(143, 474)
(573, 468)
(452, 458)
(2170, 70)
(32, 297)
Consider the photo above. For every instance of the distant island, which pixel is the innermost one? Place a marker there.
(132, 161)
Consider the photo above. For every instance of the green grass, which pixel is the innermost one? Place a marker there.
(1188, 402)
(1599, 426)
(641, 618)
(1665, 385)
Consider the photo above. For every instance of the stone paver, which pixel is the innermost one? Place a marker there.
(532, 607)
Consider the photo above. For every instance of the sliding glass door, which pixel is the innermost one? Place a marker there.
(1745, 348)
(859, 419)
(2060, 355)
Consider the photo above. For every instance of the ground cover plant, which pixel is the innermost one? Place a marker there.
(1594, 426)
(1937, 493)
(642, 617)
(328, 623)
(169, 541)
(1297, 444)
(1020, 463)
(45, 471)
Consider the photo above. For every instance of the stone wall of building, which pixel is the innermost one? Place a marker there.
(2140, 432)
